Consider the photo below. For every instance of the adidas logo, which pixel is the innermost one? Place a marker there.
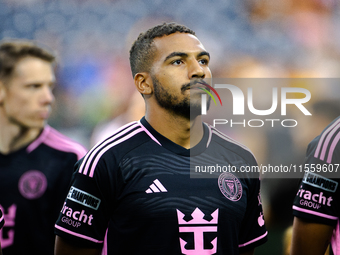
(156, 187)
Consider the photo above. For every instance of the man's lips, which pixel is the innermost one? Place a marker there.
(202, 85)
(196, 84)
(44, 114)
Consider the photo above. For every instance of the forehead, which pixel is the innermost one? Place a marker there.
(177, 42)
(33, 68)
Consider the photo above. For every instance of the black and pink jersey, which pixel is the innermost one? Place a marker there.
(2, 219)
(137, 185)
(318, 197)
(33, 184)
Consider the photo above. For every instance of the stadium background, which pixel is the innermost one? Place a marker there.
(246, 39)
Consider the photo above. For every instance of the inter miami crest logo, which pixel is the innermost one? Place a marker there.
(32, 184)
(230, 186)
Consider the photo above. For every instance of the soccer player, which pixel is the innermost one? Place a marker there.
(138, 180)
(36, 161)
(316, 206)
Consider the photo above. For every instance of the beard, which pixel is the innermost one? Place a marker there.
(185, 108)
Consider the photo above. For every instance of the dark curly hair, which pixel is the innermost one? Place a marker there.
(142, 51)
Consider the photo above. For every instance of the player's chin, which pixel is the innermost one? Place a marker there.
(195, 108)
(195, 101)
(37, 124)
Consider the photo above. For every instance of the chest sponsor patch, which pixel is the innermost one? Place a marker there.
(230, 186)
(319, 181)
(83, 198)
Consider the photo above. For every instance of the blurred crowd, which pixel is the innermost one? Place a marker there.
(246, 39)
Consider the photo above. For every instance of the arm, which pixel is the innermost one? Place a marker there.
(310, 238)
(64, 248)
(250, 252)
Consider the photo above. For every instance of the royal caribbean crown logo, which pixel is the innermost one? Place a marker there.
(198, 226)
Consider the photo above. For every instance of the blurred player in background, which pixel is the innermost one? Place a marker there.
(317, 206)
(138, 180)
(36, 161)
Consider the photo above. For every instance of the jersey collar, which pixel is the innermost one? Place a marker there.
(175, 148)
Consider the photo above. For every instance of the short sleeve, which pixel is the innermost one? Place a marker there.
(85, 214)
(317, 198)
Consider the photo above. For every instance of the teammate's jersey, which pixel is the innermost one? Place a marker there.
(2, 219)
(33, 184)
(318, 196)
(138, 182)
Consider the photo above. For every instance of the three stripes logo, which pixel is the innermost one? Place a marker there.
(156, 187)
(204, 97)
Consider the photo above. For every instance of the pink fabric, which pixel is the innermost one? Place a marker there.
(335, 242)
(78, 235)
(56, 140)
(95, 154)
(332, 148)
(322, 138)
(109, 147)
(314, 213)
(149, 134)
(227, 138)
(84, 167)
(254, 240)
(104, 250)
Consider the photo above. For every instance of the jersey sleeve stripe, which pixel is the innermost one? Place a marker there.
(210, 135)
(329, 132)
(95, 161)
(78, 235)
(89, 156)
(326, 144)
(254, 240)
(332, 148)
(227, 138)
(149, 134)
(314, 213)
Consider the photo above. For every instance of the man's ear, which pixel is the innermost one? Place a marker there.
(143, 83)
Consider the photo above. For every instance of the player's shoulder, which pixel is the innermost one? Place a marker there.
(58, 141)
(123, 140)
(326, 146)
(230, 144)
(111, 150)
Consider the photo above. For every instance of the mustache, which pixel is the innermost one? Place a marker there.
(192, 83)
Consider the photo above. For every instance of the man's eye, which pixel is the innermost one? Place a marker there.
(35, 86)
(203, 61)
(177, 62)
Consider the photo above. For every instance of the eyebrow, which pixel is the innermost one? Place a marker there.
(182, 54)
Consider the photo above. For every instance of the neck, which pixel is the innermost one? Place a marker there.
(14, 137)
(178, 129)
